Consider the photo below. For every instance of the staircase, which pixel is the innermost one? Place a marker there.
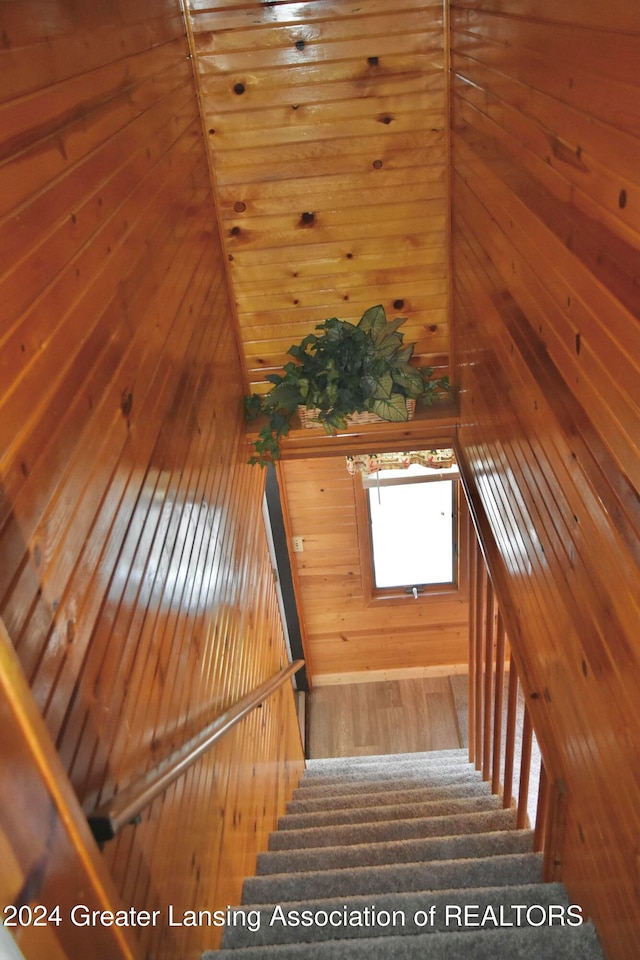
(402, 857)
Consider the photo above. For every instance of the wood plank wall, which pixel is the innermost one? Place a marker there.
(348, 638)
(326, 125)
(135, 582)
(546, 246)
(42, 826)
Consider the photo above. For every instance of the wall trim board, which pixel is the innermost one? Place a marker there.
(406, 673)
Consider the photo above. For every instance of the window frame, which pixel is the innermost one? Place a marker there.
(456, 589)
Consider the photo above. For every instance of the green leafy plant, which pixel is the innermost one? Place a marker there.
(345, 369)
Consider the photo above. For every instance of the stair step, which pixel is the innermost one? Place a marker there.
(393, 878)
(367, 757)
(433, 759)
(422, 855)
(501, 842)
(383, 771)
(388, 812)
(446, 826)
(409, 913)
(552, 943)
(377, 782)
(416, 794)
(397, 851)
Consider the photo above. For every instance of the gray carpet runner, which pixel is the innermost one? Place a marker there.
(405, 857)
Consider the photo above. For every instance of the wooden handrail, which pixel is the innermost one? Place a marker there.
(125, 806)
(479, 620)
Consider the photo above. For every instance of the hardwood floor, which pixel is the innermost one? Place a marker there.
(395, 716)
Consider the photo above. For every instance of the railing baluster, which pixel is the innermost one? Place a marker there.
(525, 770)
(542, 810)
(555, 834)
(498, 705)
(473, 600)
(491, 736)
(510, 735)
(481, 582)
(488, 679)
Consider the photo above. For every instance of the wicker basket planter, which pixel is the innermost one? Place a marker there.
(309, 421)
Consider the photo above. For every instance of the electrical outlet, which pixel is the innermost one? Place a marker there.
(298, 544)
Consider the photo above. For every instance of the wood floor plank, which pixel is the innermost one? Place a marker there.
(395, 716)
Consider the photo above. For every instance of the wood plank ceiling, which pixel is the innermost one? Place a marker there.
(327, 138)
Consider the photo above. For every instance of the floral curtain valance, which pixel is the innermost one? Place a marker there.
(368, 463)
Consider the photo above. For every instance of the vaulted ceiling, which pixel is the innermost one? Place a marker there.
(328, 141)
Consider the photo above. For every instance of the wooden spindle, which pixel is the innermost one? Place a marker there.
(481, 581)
(525, 770)
(488, 678)
(510, 735)
(542, 810)
(501, 639)
(555, 833)
(473, 563)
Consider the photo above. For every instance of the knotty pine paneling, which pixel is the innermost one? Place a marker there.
(135, 581)
(327, 135)
(347, 636)
(546, 239)
(42, 827)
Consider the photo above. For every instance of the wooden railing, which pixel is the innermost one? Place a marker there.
(501, 735)
(126, 806)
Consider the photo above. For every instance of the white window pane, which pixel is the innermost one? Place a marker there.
(412, 533)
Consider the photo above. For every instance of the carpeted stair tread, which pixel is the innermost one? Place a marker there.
(410, 834)
(377, 782)
(385, 771)
(499, 842)
(386, 812)
(407, 914)
(553, 943)
(392, 830)
(363, 758)
(389, 878)
(416, 794)
(434, 759)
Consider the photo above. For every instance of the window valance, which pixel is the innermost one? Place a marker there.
(368, 463)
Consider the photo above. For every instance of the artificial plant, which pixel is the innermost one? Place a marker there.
(344, 369)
